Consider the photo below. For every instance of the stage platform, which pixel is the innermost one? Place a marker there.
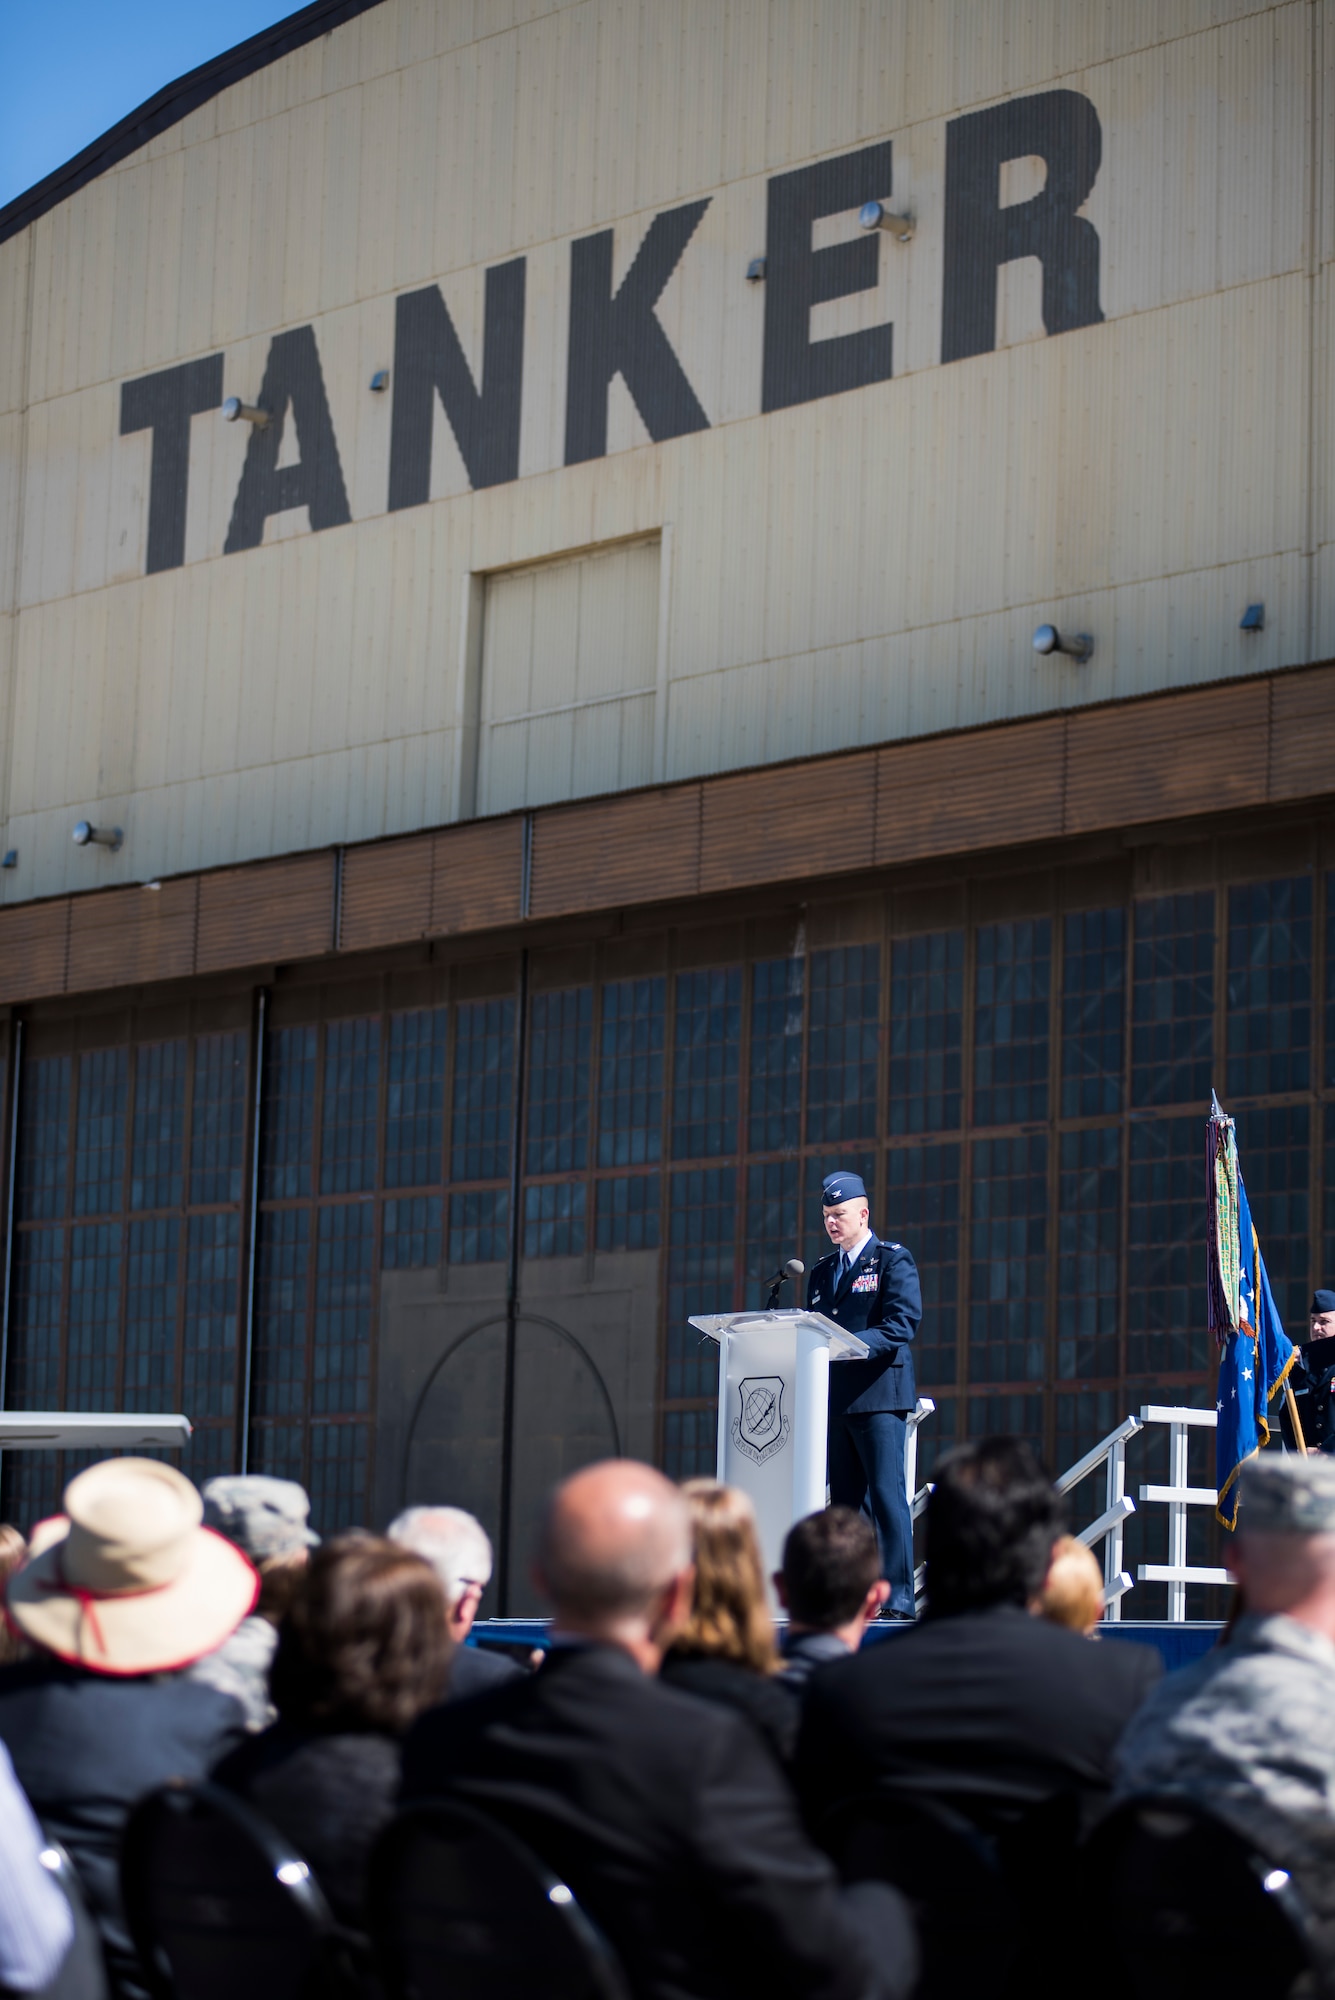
(1179, 1644)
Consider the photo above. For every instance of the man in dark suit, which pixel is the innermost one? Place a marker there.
(870, 1288)
(983, 1704)
(667, 1815)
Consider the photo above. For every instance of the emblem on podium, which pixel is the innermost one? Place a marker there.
(760, 1429)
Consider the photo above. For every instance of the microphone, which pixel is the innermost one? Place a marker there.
(793, 1269)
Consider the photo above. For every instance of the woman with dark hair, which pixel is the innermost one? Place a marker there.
(363, 1649)
(727, 1653)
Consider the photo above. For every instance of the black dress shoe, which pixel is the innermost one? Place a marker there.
(885, 1616)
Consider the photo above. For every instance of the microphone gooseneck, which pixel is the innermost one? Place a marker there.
(793, 1269)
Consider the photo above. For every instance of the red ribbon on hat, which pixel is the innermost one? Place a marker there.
(88, 1599)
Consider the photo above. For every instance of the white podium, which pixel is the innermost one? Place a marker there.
(773, 1411)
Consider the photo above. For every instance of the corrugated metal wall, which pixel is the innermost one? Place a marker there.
(850, 569)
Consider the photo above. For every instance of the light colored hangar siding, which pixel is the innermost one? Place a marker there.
(1093, 387)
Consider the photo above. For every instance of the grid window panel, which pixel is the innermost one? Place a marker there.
(1089, 1221)
(218, 1119)
(212, 1270)
(99, 1131)
(843, 1043)
(208, 1454)
(337, 1477)
(923, 1213)
(44, 1138)
(1165, 1306)
(560, 1035)
(1093, 1012)
(158, 1151)
(153, 1276)
(287, 1125)
(819, 1167)
(481, 1116)
(627, 1212)
(630, 1072)
(94, 1322)
(702, 1229)
(1269, 987)
(1013, 1415)
(280, 1451)
(415, 1098)
(479, 1226)
(1328, 1197)
(1274, 1149)
(278, 1366)
(31, 1488)
(773, 1229)
(777, 1021)
(34, 1322)
(706, 1053)
(1008, 1260)
(410, 1240)
(344, 1263)
(1012, 978)
(926, 1032)
(1084, 1418)
(1330, 982)
(690, 1443)
(351, 1106)
(554, 1220)
(1172, 999)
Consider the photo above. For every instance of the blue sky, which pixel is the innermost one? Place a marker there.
(71, 68)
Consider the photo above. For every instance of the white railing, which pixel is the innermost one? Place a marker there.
(1108, 1527)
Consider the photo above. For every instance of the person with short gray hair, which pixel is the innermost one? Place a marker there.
(1249, 1731)
(458, 1549)
(269, 1521)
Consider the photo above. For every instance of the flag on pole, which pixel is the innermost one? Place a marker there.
(1255, 1353)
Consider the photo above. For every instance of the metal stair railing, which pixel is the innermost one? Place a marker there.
(1109, 1526)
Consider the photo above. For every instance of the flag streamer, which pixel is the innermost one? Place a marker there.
(1255, 1353)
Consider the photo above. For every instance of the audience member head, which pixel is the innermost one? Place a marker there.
(13, 1552)
(457, 1548)
(730, 1619)
(831, 1577)
(364, 1645)
(268, 1520)
(127, 1580)
(1073, 1593)
(1283, 1554)
(1321, 1323)
(992, 1521)
(614, 1558)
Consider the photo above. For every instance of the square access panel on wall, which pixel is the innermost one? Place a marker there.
(568, 677)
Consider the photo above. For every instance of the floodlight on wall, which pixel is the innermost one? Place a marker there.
(755, 271)
(875, 215)
(1047, 639)
(87, 835)
(234, 408)
(380, 381)
(1253, 619)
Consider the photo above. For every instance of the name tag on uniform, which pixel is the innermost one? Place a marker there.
(867, 1282)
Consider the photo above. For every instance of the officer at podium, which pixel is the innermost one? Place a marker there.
(870, 1288)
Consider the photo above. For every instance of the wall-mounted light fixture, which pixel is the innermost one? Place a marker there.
(1047, 639)
(755, 271)
(875, 215)
(380, 381)
(87, 835)
(234, 408)
(1253, 619)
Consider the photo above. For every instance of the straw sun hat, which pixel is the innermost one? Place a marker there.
(127, 1581)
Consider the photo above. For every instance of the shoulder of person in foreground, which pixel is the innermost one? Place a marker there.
(476, 1670)
(36, 1927)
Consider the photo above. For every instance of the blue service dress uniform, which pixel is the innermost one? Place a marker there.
(880, 1299)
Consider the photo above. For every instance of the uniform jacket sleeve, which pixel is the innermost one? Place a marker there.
(898, 1301)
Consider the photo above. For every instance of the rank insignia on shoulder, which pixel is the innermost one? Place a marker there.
(894, 1246)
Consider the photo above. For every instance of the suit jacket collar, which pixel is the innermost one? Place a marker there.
(859, 1264)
